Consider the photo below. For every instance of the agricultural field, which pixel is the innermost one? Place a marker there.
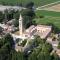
(49, 17)
(37, 2)
(47, 13)
(55, 8)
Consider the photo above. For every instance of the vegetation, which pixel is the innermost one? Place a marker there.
(58, 45)
(1, 16)
(24, 2)
(55, 57)
(17, 55)
(8, 15)
(42, 52)
(16, 23)
(7, 51)
(23, 43)
(47, 13)
(6, 44)
(27, 14)
(49, 18)
(16, 15)
(30, 5)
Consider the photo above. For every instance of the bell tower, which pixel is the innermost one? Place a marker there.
(21, 25)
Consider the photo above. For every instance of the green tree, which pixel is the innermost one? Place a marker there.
(9, 39)
(28, 12)
(16, 23)
(41, 51)
(26, 21)
(16, 15)
(6, 14)
(6, 44)
(30, 5)
(48, 47)
(11, 14)
(38, 40)
(44, 56)
(28, 15)
(58, 45)
(55, 57)
(33, 56)
(1, 16)
(18, 56)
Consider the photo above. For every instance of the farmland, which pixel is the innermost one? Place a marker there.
(49, 17)
(37, 2)
(47, 13)
(55, 8)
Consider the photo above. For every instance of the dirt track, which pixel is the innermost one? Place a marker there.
(53, 8)
(48, 5)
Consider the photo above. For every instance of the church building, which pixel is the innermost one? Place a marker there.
(41, 30)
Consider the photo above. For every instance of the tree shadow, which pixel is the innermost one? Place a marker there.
(55, 29)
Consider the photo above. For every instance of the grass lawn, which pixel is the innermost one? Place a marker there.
(49, 17)
(37, 2)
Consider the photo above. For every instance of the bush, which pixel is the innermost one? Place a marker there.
(58, 45)
(23, 43)
(41, 16)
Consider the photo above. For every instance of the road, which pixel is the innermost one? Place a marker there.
(2, 8)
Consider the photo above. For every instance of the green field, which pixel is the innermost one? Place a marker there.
(49, 18)
(37, 2)
(47, 13)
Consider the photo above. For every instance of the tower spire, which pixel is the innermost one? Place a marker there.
(20, 25)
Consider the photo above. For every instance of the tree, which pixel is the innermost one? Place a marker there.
(4, 51)
(55, 57)
(58, 45)
(48, 47)
(6, 44)
(34, 22)
(6, 14)
(44, 56)
(16, 15)
(13, 55)
(18, 56)
(27, 15)
(38, 40)
(16, 23)
(1, 29)
(26, 21)
(30, 5)
(19, 4)
(41, 51)
(55, 29)
(1, 16)
(9, 38)
(11, 13)
(32, 56)
(28, 12)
